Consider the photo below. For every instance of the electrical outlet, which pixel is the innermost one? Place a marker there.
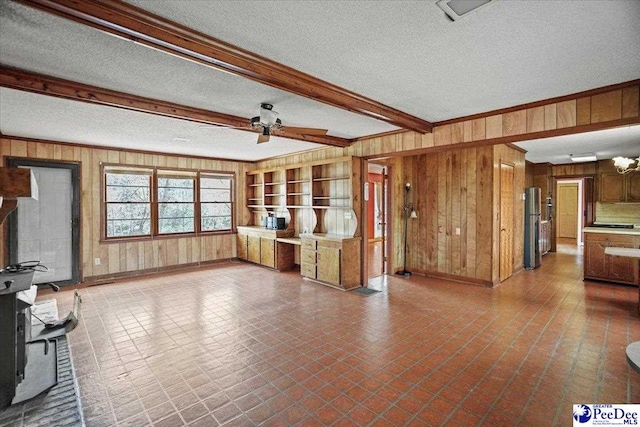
(96, 261)
(457, 231)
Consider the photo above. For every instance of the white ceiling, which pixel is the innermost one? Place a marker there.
(405, 54)
(605, 144)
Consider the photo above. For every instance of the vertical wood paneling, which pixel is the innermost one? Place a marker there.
(606, 106)
(514, 123)
(550, 117)
(630, 101)
(535, 119)
(479, 129)
(566, 112)
(494, 126)
(583, 111)
(130, 256)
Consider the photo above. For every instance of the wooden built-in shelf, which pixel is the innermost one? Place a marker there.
(328, 178)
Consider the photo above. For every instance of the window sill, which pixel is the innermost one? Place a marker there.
(163, 237)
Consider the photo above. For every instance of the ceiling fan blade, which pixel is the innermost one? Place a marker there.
(263, 138)
(305, 131)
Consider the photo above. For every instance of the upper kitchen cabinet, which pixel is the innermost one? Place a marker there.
(616, 188)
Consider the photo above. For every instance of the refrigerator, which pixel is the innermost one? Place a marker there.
(532, 220)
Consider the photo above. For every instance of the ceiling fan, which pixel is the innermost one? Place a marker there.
(268, 122)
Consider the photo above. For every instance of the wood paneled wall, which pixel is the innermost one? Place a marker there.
(139, 256)
(451, 190)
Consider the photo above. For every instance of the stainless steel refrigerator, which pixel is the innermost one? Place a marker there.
(532, 255)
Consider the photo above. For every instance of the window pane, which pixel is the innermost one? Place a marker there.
(133, 180)
(176, 218)
(216, 209)
(215, 182)
(175, 182)
(128, 211)
(166, 194)
(176, 225)
(211, 223)
(128, 219)
(211, 195)
(127, 194)
(128, 227)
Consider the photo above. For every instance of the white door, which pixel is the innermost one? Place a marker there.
(44, 231)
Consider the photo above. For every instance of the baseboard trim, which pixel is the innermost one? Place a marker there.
(454, 278)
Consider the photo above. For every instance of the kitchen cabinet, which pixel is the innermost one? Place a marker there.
(598, 265)
(616, 188)
(260, 246)
(331, 260)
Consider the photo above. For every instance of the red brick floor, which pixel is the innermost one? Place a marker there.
(241, 345)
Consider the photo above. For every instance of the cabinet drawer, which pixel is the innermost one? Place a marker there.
(329, 244)
(308, 244)
(308, 270)
(307, 256)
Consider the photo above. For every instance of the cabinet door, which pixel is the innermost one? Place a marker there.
(612, 187)
(268, 252)
(633, 187)
(253, 249)
(242, 246)
(328, 265)
(594, 260)
(622, 269)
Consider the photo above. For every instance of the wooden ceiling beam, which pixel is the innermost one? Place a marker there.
(53, 86)
(140, 26)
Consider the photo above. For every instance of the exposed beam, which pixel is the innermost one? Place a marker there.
(53, 86)
(140, 26)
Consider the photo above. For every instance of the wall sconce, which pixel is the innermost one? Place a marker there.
(623, 164)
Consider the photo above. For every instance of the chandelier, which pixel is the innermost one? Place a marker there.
(625, 165)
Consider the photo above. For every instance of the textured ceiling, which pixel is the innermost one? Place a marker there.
(408, 55)
(44, 117)
(405, 54)
(605, 144)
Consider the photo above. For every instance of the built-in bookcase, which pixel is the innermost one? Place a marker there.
(321, 197)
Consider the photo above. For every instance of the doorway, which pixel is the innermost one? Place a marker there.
(47, 229)
(569, 220)
(377, 197)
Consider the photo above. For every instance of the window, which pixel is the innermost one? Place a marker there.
(128, 203)
(215, 202)
(176, 203)
(148, 202)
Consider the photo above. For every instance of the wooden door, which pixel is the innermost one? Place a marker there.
(241, 249)
(568, 210)
(506, 221)
(328, 269)
(253, 249)
(268, 252)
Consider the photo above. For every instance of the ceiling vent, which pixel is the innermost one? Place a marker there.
(456, 9)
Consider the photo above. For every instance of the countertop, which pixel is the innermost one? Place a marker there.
(622, 231)
(327, 236)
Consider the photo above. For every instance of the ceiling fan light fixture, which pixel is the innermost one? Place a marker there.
(268, 117)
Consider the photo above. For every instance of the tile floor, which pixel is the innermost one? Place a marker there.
(240, 345)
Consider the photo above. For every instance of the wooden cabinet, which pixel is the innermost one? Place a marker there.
(331, 260)
(260, 246)
(241, 246)
(598, 265)
(633, 187)
(614, 187)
